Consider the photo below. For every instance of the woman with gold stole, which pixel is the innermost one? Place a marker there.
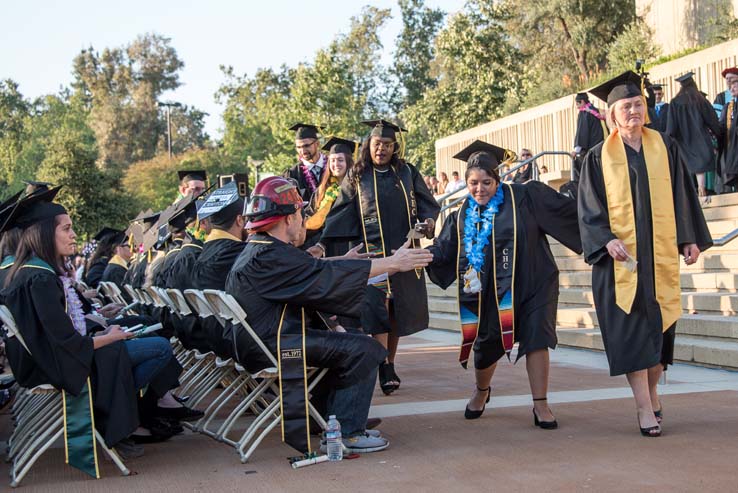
(340, 160)
(494, 246)
(638, 211)
(382, 201)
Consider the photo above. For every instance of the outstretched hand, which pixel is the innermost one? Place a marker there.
(407, 258)
(354, 253)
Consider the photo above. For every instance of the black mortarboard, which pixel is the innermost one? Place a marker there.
(625, 85)
(189, 175)
(37, 186)
(582, 96)
(107, 232)
(337, 145)
(31, 209)
(657, 87)
(219, 200)
(685, 77)
(150, 219)
(184, 212)
(383, 128)
(10, 201)
(483, 155)
(305, 130)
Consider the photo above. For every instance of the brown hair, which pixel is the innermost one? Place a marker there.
(326, 178)
(38, 240)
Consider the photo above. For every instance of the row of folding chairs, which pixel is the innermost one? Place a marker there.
(38, 419)
(251, 397)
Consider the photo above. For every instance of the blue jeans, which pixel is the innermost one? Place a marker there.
(351, 405)
(148, 356)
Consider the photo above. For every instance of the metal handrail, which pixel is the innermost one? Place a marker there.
(520, 164)
(726, 239)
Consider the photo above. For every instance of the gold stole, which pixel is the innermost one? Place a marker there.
(118, 260)
(622, 222)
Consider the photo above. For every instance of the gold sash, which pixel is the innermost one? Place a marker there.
(622, 222)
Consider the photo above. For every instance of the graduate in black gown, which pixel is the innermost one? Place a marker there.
(693, 125)
(340, 159)
(282, 290)
(137, 272)
(382, 200)
(633, 231)
(660, 109)
(9, 237)
(591, 130)
(107, 240)
(117, 267)
(308, 172)
(495, 248)
(728, 172)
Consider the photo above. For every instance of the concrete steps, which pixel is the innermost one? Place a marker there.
(703, 303)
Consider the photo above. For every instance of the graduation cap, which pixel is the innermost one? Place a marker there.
(685, 77)
(306, 130)
(337, 145)
(190, 175)
(32, 209)
(480, 154)
(220, 200)
(625, 85)
(581, 96)
(383, 128)
(37, 186)
(657, 87)
(183, 213)
(10, 201)
(107, 232)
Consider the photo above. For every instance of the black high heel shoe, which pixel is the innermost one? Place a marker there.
(469, 414)
(659, 414)
(393, 376)
(651, 431)
(545, 425)
(386, 380)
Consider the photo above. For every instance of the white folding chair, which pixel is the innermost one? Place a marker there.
(38, 415)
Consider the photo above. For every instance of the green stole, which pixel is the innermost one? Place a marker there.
(79, 418)
(498, 306)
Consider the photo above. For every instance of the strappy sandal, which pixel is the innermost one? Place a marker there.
(651, 431)
(469, 414)
(386, 380)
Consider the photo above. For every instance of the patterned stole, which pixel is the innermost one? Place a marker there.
(502, 266)
(371, 213)
(293, 385)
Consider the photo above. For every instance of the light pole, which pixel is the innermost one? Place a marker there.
(169, 106)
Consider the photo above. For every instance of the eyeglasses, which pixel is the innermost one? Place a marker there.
(306, 146)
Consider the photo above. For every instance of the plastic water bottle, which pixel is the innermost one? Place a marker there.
(334, 443)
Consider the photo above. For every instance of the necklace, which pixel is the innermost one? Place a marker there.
(477, 230)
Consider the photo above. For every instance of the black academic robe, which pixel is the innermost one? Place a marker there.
(346, 223)
(589, 132)
(61, 357)
(5, 266)
(179, 272)
(210, 272)
(138, 272)
(729, 155)
(634, 341)
(161, 274)
(540, 211)
(95, 272)
(302, 184)
(271, 277)
(660, 117)
(116, 274)
(696, 130)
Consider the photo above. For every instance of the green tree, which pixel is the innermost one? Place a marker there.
(479, 80)
(634, 43)
(415, 48)
(15, 115)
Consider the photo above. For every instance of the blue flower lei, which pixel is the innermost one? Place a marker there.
(475, 239)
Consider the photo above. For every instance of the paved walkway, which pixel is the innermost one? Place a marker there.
(597, 447)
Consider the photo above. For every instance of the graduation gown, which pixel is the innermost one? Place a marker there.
(302, 184)
(539, 211)
(635, 341)
(210, 271)
(61, 357)
(273, 281)
(589, 132)
(179, 272)
(660, 117)
(161, 274)
(5, 266)
(115, 272)
(729, 155)
(95, 272)
(355, 215)
(696, 130)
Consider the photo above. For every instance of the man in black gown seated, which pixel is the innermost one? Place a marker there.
(287, 294)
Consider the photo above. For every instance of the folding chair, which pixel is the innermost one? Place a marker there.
(268, 379)
(39, 420)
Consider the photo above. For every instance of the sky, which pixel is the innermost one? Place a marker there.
(39, 39)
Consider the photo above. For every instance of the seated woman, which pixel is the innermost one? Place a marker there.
(56, 348)
(494, 246)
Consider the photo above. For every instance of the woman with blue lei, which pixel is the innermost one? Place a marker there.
(495, 248)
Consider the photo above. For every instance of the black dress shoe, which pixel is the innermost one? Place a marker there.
(183, 413)
(469, 414)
